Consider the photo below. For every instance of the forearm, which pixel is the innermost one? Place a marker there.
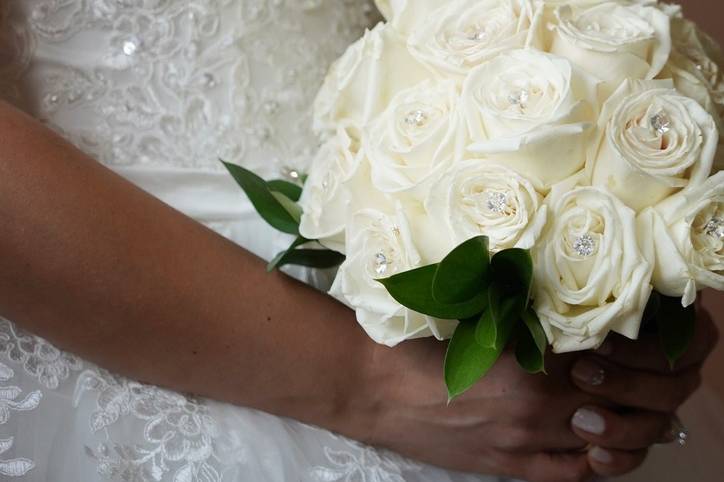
(106, 271)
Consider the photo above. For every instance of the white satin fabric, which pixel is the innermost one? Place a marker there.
(158, 90)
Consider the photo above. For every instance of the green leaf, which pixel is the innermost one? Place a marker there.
(530, 318)
(532, 343)
(311, 258)
(652, 306)
(649, 325)
(263, 199)
(466, 361)
(486, 332)
(294, 210)
(509, 290)
(512, 270)
(463, 273)
(504, 310)
(676, 327)
(289, 189)
(527, 354)
(413, 289)
(279, 259)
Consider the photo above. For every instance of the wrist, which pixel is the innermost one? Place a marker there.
(363, 392)
(392, 384)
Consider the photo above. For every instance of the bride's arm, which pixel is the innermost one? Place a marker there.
(106, 271)
(102, 269)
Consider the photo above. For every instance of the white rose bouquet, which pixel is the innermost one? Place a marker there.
(514, 173)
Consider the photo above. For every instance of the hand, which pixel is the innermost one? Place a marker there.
(636, 375)
(510, 423)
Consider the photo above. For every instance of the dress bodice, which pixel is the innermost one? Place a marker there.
(171, 83)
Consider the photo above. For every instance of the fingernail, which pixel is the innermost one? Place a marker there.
(600, 455)
(606, 348)
(589, 421)
(589, 372)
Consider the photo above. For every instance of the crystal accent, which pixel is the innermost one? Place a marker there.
(519, 97)
(40, 12)
(209, 80)
(271, 107)
(477, 34)
(682, 437)
(291, 173)
(584, 245)
(715, 228)
(130, 47)
(660, 123)
(416, 118)
(52, 101)
(497, 201)
(381, 263)
(326, 181)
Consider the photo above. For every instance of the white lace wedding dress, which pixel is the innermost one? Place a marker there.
(158, 90)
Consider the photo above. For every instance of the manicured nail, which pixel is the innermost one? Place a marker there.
(589, 372)
(600, 455)
(606, 348)
(589, 421)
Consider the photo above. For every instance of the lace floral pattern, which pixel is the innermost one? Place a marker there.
(184, 83)
(178, 432)
(41, 360)
(12, 399)
(360, 463)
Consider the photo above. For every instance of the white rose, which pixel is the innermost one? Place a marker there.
(403, 14)
(654, 142)
(532, 111)
(326, 197)
(462, 34)
(415, 138)
(705, 55)
(358, 86)
(692, 84)
(590, 276)
(590, 3)
(695, 65)
(481, 197)
(690, 81)
(379, 246)
(612, 41)
(698, 59)
(685, 239)
(385, 8)
(572, 3)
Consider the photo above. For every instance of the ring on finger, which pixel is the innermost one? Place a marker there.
(677, 432)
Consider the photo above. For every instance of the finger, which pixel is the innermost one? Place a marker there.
(549, 467)
(524, 438)
(630, 431)
(610, 463)
(646, 353)
(638, 389)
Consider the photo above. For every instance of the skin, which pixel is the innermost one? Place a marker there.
(644, 403)
(106, 271)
